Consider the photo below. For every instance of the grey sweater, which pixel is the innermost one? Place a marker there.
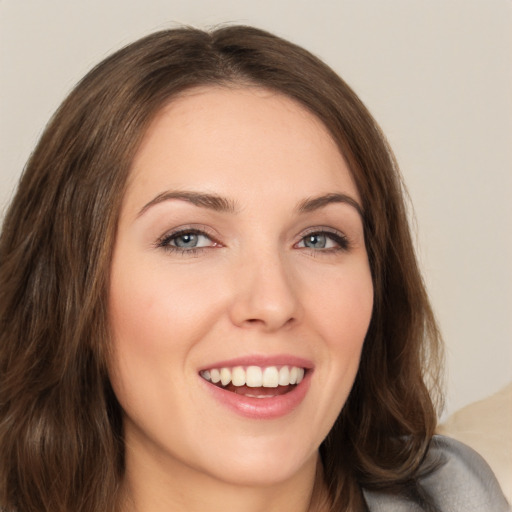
(461, 481)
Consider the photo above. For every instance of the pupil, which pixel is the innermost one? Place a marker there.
(315, 241)
(187, 240)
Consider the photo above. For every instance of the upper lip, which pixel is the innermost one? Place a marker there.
(262, 361)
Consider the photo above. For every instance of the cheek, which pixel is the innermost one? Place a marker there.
(159, 314)
(339, 308)
(157, 308)
(341, 315)
(157, 320)
(344, 307)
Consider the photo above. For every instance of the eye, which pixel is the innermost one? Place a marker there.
(189, 240)
(324, 240)
(186, 240)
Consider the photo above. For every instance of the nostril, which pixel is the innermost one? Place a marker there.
(261, 322)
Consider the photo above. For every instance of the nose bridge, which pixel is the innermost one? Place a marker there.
(265, 292)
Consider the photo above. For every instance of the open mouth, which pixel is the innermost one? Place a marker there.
(256, 381)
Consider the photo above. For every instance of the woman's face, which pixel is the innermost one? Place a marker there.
(239, 255)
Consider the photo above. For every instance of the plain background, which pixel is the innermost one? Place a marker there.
(436, 74)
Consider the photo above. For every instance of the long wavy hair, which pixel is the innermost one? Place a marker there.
(61, 437)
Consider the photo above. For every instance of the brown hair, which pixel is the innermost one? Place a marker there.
(60, 424)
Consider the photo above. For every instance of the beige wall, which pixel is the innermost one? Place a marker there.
(436, 74)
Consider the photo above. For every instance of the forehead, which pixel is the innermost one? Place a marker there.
(243, 139)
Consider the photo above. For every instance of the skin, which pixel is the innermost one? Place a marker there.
(254, 287)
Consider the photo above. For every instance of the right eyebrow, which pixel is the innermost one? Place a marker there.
(210, 201)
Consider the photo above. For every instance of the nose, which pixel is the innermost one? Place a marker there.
(265, 295)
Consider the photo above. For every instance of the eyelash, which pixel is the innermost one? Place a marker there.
(342, 242)
(164, 242)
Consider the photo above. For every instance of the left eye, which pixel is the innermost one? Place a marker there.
(322, 240)
(188, 240)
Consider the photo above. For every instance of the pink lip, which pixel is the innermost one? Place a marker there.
(262, 408)
(277, 360)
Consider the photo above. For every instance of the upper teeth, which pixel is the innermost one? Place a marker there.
(255, 376)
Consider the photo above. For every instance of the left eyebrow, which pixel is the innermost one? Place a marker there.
(315, 203)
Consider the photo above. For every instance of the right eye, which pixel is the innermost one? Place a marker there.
(186, 240)
(189, 240)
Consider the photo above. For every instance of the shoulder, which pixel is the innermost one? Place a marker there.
(461, 480)
(453, 478)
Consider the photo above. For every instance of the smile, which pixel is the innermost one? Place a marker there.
(258, 388)
(244, 380)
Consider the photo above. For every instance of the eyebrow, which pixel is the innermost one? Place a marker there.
(315, 203)
(224, 205)
(210, 201)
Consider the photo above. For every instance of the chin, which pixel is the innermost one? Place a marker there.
(266, 471)
(263, 462)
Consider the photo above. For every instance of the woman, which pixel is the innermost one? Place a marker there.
(209, 297)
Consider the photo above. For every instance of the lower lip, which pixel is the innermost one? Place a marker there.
(262, 408)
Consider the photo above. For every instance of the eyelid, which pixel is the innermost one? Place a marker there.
(198, 229)
(321, 229)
